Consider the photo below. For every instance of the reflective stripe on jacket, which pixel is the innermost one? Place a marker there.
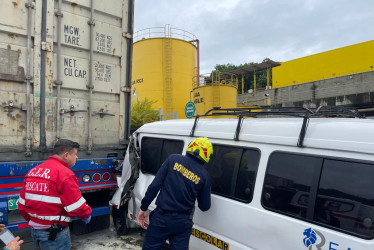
(50, 191)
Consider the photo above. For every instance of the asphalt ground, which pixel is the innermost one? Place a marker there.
(99, 240)
(105, 239)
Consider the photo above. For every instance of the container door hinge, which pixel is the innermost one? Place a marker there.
(30, 5)
(125, 89)
(127, 35)
(56, 82)
(59, 13)
(46, 46)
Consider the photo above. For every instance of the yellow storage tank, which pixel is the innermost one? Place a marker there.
(216, 90)
(347, 60)
(164, 64)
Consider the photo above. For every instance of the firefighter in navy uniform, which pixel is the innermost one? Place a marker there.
(181, 180)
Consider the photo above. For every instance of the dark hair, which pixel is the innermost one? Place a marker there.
(64, 145)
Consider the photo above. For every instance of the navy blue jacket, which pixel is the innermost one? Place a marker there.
(181, 180)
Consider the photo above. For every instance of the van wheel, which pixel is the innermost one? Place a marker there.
(120, 220)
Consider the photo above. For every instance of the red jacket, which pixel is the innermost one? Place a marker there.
(50, 190)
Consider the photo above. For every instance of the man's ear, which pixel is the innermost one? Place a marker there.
(65, 155)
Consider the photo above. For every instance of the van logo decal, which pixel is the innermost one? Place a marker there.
(311, 238)
(210, 239)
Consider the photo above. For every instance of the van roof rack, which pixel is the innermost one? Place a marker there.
(259, 111)
(326, 111)
(337, 111)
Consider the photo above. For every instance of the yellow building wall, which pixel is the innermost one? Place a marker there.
(338, 62)
(204, 98)
(148, 72)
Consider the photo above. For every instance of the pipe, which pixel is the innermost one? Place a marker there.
(90, 84)
(43, 143)
(198, 61)
(28, 79)
(254, 81)
(130, 30)
(58, 81)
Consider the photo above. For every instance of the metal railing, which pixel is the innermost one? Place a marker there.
(215, 78)
(164, 32)
(170, 116)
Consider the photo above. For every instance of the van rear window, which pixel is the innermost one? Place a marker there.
(331, 192)
(233, 171)
(288, 183)
(154, 152)
(345, 197)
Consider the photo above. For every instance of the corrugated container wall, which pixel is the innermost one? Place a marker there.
(163, 69)
(338, 62)
(64, 72)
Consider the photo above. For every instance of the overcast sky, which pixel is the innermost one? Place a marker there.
(240, 31)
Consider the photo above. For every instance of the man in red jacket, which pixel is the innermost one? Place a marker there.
(50, 198)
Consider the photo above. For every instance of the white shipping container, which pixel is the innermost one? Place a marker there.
(64, 73)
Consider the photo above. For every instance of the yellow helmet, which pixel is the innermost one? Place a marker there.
(201, 148)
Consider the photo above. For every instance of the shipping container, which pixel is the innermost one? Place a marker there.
(65, 70)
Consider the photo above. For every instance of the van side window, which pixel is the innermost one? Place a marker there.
(245, 181)
(331, 192)
(345, 197)
(233, 171)
(154, 152)
(288, 183)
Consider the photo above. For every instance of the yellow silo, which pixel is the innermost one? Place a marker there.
(164, 64)
(216, 90)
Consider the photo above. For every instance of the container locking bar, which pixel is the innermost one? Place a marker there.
(71, 111)
(11, 106)
(101, 113)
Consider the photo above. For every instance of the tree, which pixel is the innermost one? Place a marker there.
(225, 67)
(142, 112)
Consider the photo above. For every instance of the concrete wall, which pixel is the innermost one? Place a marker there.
(355, 89)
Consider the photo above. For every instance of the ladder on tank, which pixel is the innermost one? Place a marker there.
(168, 87)
(216, 89)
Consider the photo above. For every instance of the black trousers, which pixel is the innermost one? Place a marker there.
(173, 226)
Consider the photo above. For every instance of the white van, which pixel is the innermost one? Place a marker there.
(277, 183)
